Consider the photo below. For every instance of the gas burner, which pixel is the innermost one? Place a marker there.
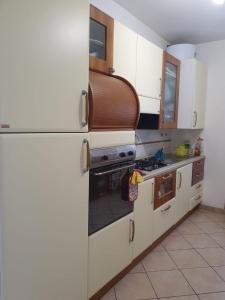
(149, 164)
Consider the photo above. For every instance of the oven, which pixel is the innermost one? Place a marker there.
(109, 185)
(165, 188)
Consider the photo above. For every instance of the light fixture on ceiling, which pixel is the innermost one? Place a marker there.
(219, 2)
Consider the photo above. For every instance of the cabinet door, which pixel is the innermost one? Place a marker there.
(101, 41)
(149, 69)
(143, 216)
(199, 95)
(183, 191)
(44, 65)
(170, 91)
(110, 251)
(125, 52)
(44, 217)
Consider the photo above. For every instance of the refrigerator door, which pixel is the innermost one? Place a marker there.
(44, 216)
(44, 65)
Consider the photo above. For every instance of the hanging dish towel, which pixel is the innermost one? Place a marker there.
(134, 180)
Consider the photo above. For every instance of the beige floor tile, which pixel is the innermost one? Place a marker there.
(219, 238)
(187, 259)
(211, 227)
(189, 228)
(199, 218)
(158, 248)
(173, 242)
(204, 280)
(134, 287)
(157, 261)
(170, 284)
(138, 269)
(217, 217)
(221, 272)
(193, 297)
(199, 241)
(214, 256)
(109, 296)
(214, 296)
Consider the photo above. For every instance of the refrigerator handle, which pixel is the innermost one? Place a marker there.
(85, 108)
(86, 156)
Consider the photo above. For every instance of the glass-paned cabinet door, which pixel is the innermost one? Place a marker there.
(100, 41)
(170, 91)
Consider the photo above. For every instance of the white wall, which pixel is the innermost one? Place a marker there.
(213, 54)
(120, 14)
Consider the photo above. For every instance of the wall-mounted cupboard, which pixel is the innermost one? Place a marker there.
(100, 41)
(170, 91)
(193, 84)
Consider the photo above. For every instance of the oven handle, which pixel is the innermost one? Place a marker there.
(113, 170)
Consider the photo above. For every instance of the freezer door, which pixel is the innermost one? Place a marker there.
(44, 65)
(44, 216)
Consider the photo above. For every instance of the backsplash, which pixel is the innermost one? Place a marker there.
(150, 141)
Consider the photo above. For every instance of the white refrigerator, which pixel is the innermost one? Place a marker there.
(43, 149)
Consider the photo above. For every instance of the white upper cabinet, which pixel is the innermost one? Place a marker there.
(149, 69)
(44, 65)
(192, 100)
(183, 191)
(143, 217)
(125, 52)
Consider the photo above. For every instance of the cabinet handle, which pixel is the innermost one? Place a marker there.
(86, 159)
(167, 177)
(132, 231)
(196, 118)
(160, 87)
(85, 108)
(153, 192)
(180, 183)
(111, 70)
(166, 209)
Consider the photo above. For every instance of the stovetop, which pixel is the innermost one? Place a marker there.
(149, 164)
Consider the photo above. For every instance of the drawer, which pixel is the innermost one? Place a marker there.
(195, 200)
(197, 188)
(163, 218)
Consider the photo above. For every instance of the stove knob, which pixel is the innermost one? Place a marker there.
(122, 154)
(105, 157)
(130, 153)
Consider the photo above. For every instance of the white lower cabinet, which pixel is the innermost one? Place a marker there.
(110, 251)
(143, 216)
(43, 216)
(196, 195)
(183, 191)
(163, 218)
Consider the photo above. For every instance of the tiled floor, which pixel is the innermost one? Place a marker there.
(188, 265)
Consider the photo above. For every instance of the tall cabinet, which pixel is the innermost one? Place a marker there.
(44, 149)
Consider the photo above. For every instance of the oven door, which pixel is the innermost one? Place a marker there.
(109, 195)
(165, 188)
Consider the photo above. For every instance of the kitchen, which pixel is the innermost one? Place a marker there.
(111, 140)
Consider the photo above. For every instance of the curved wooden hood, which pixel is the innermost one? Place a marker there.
(114, 103)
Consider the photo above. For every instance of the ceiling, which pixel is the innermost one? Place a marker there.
(180, 21)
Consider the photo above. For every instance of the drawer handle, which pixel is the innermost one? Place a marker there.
(199, 197)
(167, 177)
(198, 187)
(166, 209)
